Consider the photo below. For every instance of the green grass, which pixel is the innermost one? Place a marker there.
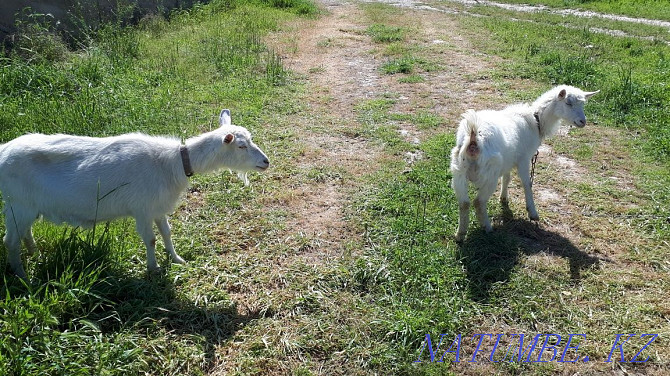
(385, 34)
(652, 9)
(90, 307)
(247, 303)
(407, 64)
(412, 79)
(402, 57)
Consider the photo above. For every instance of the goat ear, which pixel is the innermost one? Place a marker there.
(589, 95)
(562, 94)
(229, 138)
(224, 117)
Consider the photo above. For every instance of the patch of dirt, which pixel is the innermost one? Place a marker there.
(332, 55)
(567, 167)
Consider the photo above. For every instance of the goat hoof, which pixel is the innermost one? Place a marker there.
(156, 274)
(178, 260)
(157, 270)
(459, 237)
(535, 217)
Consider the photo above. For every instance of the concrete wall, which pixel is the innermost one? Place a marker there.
(93, 11)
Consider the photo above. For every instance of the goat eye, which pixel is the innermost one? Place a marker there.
(243, 146)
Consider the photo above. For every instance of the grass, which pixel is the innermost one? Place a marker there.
(407, 64)
(402, 57)
(412, 79)
(90, 307)
(263, 295)
(381, 33)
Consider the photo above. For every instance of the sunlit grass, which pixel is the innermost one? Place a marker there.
(89, 306)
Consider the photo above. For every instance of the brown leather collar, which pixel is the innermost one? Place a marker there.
(186, 161)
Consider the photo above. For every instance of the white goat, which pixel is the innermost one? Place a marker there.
(490, 143)
(86, 180)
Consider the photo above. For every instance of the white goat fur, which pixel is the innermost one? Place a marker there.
(85, 180)
(489, 144)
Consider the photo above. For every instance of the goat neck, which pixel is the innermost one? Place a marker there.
(205, 152)
(548, 122)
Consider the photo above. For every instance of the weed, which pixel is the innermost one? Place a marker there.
(401, 65)
(37, 41)
(301, 7)
(396, 49)
(316, 70)
(325, 43)
(275, 72)
(385, 34)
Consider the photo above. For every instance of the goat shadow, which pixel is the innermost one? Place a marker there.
(490, 258)
(116, 300)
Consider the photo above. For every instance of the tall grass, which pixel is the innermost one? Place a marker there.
(90, 307)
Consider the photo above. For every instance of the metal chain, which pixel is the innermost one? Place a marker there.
(532, 170)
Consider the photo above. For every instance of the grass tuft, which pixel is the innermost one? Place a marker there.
(381, 33)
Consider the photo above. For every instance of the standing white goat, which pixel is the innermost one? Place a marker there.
(490, 143)
(85, 180)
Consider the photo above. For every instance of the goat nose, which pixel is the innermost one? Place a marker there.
(266, 161)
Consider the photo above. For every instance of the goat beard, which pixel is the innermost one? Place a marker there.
(244, 176)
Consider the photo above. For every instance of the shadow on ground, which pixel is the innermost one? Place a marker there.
(489, 259)
(92, 287)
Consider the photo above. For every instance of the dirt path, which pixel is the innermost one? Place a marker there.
(334, 55)
(330, 54)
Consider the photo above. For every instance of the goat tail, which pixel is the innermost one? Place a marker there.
(471, 149)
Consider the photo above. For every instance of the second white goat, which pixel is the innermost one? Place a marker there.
(489, 144)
